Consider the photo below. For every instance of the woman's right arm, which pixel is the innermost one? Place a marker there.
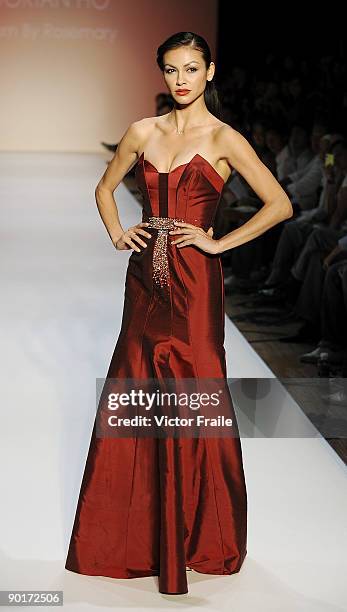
(123, 159)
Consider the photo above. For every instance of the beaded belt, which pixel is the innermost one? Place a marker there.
(160, 261)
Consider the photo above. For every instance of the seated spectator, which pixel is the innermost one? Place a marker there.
(299, 156)
(302, 185)
(307, 277)
(258, 142)
(262, 248)
(296, 231)
(277, 142)
(304, 286)
(237, 188)
(299, 147)
(329, 145)
(333, 312)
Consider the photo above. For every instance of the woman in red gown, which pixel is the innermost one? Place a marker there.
(152, 505)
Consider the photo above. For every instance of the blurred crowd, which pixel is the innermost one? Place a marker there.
(293, 113)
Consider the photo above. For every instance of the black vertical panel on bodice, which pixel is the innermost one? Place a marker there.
(163, 194)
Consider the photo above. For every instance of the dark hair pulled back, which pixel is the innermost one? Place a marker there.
(190, 39)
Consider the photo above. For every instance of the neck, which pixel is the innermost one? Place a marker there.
(187, 116)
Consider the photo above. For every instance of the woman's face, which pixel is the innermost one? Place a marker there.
(185, 69)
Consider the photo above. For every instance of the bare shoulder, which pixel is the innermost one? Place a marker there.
(146, 123)
(127, 152)
(138, 132)
(230, 139)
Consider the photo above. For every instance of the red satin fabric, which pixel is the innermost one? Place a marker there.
(151, 506)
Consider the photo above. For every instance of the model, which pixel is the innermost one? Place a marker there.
(156, 505)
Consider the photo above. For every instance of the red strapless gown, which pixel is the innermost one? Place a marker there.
(152, 506)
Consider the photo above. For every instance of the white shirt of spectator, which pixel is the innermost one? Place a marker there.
(305, 183)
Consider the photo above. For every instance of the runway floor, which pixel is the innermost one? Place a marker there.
(62, 300)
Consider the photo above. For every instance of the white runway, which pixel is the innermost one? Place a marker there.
(62, 299)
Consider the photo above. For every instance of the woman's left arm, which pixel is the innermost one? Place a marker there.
(277, 206)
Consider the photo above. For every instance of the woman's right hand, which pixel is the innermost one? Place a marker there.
(131, 237)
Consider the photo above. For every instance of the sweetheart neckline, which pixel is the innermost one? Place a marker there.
(185, 164)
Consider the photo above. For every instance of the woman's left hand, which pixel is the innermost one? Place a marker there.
(192, 235)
